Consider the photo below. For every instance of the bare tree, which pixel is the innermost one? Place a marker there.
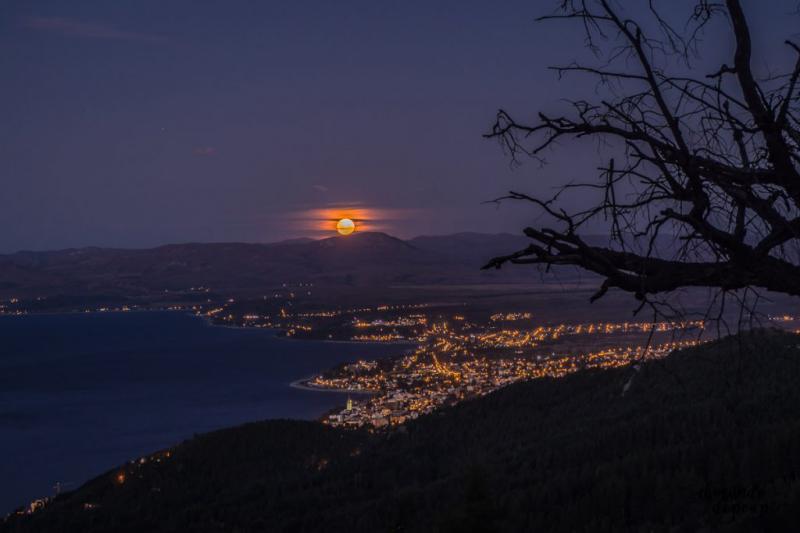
(712, 161)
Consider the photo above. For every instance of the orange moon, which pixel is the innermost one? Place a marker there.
(345, 226)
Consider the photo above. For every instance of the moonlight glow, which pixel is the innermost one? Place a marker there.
(345, 226)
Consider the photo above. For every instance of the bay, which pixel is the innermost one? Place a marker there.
(82, 393)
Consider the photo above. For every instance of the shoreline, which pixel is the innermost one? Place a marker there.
(95, 312)
(210, 322)
(277, 331)
(300, 384)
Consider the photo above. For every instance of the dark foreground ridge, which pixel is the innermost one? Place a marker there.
(706, 439)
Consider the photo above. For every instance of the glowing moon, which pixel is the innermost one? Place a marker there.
(345, 226)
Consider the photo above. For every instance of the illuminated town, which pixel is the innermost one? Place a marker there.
(456, 353)
(450, 366)
(454, 356)
(453, 353)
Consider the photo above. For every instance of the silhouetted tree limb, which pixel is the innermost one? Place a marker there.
(712, 161)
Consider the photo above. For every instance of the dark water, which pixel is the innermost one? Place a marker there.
(80, 394)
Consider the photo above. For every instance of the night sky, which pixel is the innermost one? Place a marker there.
(141, 123)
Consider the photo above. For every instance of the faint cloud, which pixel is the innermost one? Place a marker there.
(204, 151)
(320, 188)
(94, 30)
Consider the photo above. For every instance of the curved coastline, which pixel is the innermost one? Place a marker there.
(210, 321)
(301, 384)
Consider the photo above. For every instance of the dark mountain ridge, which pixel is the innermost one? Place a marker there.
(362, 259)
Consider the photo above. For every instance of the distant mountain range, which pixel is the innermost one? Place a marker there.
(365, 259)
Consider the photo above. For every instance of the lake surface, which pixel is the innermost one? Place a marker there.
(82, 393)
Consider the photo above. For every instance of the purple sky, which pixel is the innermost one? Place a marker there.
(141, 123)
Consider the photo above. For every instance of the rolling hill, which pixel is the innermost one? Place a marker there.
(363, 259)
